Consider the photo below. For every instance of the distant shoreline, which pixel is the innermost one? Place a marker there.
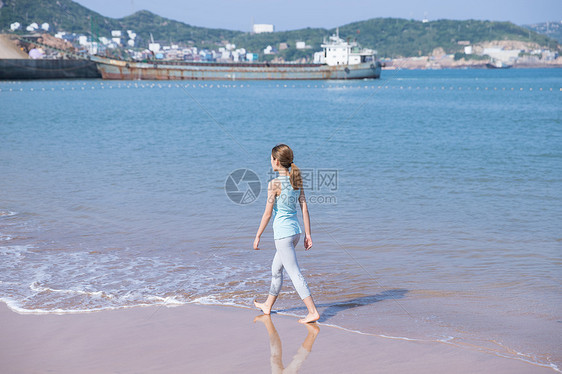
(9, 51)
(427, 63)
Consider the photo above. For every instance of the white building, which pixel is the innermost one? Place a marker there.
(15, 26)
(32, 27)
(549, 55)
(251, 56)
(239, 54)
(468, 50)
(45, 26)
(154, 47)
(116, 33)
(268, 50)
(262, 27)
(300, 45)
(505, 55)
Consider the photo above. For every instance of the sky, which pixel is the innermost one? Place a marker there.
(297, 14)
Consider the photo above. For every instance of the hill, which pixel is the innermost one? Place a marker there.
(399, 37)
(61, 15)
(551, 29)
(392, 37)
(66, 15)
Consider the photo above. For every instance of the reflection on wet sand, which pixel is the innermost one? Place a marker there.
(277, 349)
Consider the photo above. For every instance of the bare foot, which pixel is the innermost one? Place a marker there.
(266, 309)
(311, 317)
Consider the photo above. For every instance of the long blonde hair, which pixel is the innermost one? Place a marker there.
(284, 154)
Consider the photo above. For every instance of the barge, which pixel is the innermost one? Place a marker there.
(16, 69)
(338, 60)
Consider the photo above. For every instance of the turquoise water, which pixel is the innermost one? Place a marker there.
(435, 199)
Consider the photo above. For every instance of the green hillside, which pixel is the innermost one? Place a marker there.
(391, 37)
(145, 23)
(399, 37)
(66, 15)
(60, 14)
(551, 29)
(394, 37)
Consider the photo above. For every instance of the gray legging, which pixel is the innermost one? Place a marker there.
(286, 257)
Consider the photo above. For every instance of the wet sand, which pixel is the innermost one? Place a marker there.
(215, 339)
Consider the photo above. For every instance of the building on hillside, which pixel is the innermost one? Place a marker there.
(252, 57)
(505, 55)
(154, 47)
(259, 28)
(32, 27)
(269, 50)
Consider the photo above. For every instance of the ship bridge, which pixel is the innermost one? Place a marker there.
(340, 52)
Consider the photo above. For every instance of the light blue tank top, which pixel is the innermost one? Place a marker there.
(285, 223)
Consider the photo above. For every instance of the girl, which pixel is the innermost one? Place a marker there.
(282, 195)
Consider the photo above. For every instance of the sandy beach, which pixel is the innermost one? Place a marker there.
(197, 338)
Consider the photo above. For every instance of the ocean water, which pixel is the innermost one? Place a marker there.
(435, 199)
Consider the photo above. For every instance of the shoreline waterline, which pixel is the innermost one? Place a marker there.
(504, 352)
(150, 312)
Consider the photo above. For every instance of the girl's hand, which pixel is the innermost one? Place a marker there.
(257, 243)
(307, 242)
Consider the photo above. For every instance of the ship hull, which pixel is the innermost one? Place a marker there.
(16, 69)
(122, 70)
(496, 66)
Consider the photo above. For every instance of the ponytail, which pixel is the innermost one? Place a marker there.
(295, 177)
(284, 154)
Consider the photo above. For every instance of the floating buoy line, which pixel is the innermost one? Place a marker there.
(20, 86)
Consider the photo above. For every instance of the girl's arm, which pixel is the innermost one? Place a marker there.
(306, 221)
(271, 194)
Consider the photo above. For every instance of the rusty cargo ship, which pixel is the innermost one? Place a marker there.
(338, 60)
